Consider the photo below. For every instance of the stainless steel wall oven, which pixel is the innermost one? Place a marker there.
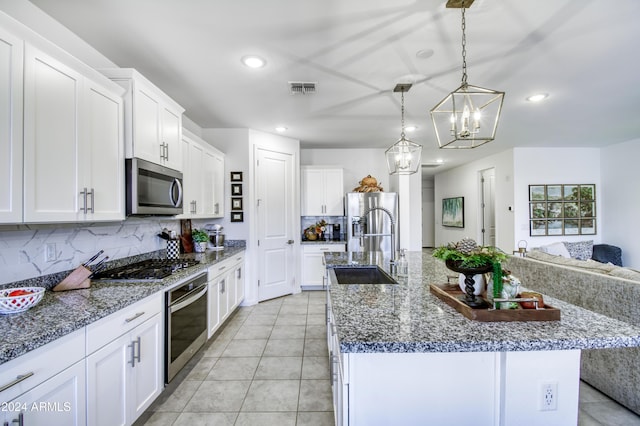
(186, 323)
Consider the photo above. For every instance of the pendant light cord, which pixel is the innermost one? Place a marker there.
(464, 48)
(402, 114)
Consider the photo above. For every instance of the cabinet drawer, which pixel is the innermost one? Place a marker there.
(220, 268)
(111, 327)
(321, 248)
(40, 364)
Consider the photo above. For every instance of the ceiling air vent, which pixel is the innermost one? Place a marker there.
(302, 88)
(430, 165)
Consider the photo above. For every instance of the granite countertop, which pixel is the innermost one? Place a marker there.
(60, 313)
(406, 317)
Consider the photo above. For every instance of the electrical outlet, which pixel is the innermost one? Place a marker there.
(549, 396)
(50, 254)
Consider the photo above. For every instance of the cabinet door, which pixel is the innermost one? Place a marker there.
(333, 192)
(107, 383)
(11, 71)
(146, 126)
(313, 269)
(213, 314)
(147, 372)
(223, 300)
(239, 277)
(101, 164)
(51, 98)
(57, 401)
(195, 182)
(208, 184)
(218, 185)
(312, 192)
(171, 124)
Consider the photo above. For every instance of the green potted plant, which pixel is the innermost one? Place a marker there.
(200, 239)
(468, 258)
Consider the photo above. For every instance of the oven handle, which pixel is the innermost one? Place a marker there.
(187, 300)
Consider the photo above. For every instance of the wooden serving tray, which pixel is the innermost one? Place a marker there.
(451, 295)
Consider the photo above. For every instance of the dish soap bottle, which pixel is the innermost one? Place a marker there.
(402, 265)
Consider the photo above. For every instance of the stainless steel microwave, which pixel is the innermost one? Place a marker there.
(152, 189)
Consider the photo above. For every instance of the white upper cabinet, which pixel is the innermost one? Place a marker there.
(11, 60)
(52, 93)
(153, 121)
(322, 191)
(203, 178)
(61, 134)
(73, 153)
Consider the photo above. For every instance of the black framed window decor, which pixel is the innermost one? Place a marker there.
(562, 209)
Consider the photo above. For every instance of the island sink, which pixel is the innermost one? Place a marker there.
(362, 275)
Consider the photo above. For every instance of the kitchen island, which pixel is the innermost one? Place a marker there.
(401, 356)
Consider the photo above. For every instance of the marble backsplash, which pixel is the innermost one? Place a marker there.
(22, 247)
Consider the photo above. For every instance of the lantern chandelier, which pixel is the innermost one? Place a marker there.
(468, 116)
(403, 157)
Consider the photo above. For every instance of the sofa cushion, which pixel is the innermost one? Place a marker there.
(581, 250)
(589, 265)
(606, 253)
(556, 249)
(629, 274)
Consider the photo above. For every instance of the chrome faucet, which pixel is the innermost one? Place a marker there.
(392, 261)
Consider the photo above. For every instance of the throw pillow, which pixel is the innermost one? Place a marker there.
(581, 250)
(557, 249)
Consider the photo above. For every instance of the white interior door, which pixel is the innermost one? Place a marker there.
(488, 185)
(275, 178)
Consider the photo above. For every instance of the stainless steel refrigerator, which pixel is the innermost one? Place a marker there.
(369, 218)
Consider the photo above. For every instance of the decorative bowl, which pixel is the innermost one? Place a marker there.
(19, 303)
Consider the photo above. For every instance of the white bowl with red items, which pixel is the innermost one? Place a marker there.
(19, 299)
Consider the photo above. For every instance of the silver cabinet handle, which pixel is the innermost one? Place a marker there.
(133, 354)
(136, 316)
(239, 273)
(223, 286)
(162, 151)
(18, 379)
(93, 200)
(137, 357)
(83, 209)
(166, 147)
(221, 268)
(216, 208)
(19, 420)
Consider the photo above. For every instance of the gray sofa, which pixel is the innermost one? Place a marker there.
(603, 288)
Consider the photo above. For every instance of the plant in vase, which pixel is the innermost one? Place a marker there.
(468, 258)
(200, 239)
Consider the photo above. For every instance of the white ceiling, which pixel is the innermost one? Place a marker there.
(582, 52)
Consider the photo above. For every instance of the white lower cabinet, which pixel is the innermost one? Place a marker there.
(126, 374)
(226, 290)
(338, 366)
(313, 269)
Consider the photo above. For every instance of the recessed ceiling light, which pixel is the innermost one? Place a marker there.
(411, 128)
(424, 53)
(439, 161)
(281, 129)
(253, 61)
(538, 97)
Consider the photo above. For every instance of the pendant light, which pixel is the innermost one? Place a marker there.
(468, 116)
(403, 157)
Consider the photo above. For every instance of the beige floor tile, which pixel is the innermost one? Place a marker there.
(254, 332)
(177, 400)
(279, 368)
(261, 319)
(316, 347)
(315, 395)
(316, 331)
(288, 332)
(206, 419)
(244, 347)
(284, 347)
(218, 396)
(201, 369)
(316, 319)
(236, 368)
(316, 308)
(215, 348)
(291, 319)
(266, 419)
(318, 418)
(293, 309)
(162, 419)
(272, 395)
(315, 367)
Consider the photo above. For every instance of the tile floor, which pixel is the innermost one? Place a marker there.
(269, 365)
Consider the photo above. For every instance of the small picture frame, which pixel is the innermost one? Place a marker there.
(236, 203)
(236, 176)
(236, 189)
(237, 217)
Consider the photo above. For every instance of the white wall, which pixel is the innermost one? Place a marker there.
(357, 164)
(620, 196)
(534, 166)
(464, 181)
(428, 213)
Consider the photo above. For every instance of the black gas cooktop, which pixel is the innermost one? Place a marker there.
(150, 269)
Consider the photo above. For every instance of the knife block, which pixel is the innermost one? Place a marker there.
(77, 279)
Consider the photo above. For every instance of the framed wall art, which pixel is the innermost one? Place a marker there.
(236, 189)
(453, 212)
(562, 209)
(236, 176)
(236, 203)
(237, 217)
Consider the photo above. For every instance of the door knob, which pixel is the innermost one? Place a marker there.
(290, 242)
